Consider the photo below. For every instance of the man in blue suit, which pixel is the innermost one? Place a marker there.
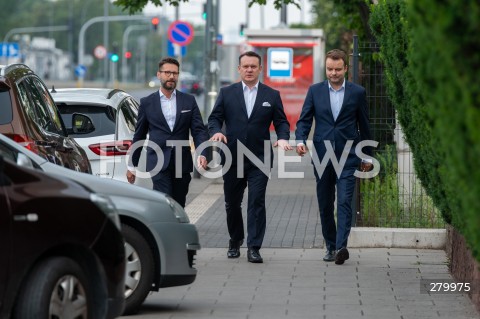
(247, 109)
(169, 117)
(339, 108)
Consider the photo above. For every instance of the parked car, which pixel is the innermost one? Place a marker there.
(113, 114)
(29, 116)
(63, 254)
(161, 244)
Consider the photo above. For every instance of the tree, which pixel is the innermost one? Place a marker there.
(137, 5)
(341, 19)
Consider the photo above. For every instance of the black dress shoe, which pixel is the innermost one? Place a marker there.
(253, 256)
(234, 248)
(330, 256)
(341, 256)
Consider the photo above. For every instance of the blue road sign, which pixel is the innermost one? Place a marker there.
(80, 70)
(180, 32)
(9, 49)
(280, 62)
(171, 49)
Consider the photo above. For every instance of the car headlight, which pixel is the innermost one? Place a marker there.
(107, 206)
(178, 210)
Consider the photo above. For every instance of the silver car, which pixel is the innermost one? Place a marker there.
(161, 244)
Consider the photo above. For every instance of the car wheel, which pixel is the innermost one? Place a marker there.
(56, 288)
(139, 271)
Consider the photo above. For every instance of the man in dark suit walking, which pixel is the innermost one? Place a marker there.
(339, 108)
(169, 116)
(247, 109)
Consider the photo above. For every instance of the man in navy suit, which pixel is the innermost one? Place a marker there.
(169, 116)
(339, 108)
(247, 109)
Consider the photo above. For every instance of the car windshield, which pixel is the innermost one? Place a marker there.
(103, 118)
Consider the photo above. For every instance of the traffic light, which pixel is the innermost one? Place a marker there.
(128, 55)
(204, 13)
(155, 22)
(114, 57)
(242, 29)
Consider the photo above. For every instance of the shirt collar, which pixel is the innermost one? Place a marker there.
(174, 94)
(244, 86)
(331, 88)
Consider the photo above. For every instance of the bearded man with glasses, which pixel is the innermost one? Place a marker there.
(169, 116)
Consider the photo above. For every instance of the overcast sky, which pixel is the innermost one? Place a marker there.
(234, 12)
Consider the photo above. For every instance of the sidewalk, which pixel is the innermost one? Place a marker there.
(294, 281)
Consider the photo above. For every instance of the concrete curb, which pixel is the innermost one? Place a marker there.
(422, 238)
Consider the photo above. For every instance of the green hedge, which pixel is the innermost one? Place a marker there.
(431, 51)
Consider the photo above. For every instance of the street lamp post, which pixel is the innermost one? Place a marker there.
(126, 33)
(81, 36)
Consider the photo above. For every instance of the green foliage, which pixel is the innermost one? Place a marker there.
(340, 20)
(386, 203)
(432, 54)
(133, 6)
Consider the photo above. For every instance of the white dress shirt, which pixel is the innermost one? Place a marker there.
(250, 94)
(336, 99)
(169, 108)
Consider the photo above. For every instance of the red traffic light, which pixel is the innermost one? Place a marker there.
(128, 55)
(155, 21)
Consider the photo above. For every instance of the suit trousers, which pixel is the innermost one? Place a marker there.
(234, 188)
(166, 182)
(335, 236)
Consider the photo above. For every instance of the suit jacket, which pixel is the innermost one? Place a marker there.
(352, 122)
(252, 132)
(152, 121)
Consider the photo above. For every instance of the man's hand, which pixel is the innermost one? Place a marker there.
(301, 149)
(283, 144)
(130, 177)
(202, 162)
(218, 137)
(366, 166)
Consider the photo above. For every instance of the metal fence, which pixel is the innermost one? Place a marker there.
(395, 197)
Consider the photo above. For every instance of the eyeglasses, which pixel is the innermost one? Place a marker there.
(170, 73)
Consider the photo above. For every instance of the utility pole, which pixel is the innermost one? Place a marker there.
(211, 59)
(105, 41)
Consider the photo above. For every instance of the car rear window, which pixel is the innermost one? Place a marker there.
(6, 113)
(103, 118)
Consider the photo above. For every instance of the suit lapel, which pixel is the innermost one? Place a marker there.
(158, 109)
(346, 96)
(241, 98)
(326, 94)
(179, 99)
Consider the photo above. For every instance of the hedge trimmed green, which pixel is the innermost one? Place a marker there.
(431, 51)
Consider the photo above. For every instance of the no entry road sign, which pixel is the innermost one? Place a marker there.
(180, 32)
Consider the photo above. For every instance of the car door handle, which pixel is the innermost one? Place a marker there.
(32, 217)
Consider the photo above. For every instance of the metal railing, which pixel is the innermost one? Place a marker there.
(395, 197)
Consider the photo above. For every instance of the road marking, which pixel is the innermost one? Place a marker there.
(199, 206)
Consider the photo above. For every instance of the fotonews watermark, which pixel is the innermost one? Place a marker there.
(218, 150)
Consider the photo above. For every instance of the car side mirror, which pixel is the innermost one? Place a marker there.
(24, 161)
(82, 124)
